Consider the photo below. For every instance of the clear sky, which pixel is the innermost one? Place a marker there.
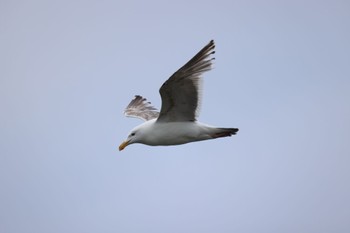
(282, 76)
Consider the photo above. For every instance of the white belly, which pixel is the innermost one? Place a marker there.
(175, 133)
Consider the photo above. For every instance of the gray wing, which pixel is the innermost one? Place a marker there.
(181, 92)
(140, 108)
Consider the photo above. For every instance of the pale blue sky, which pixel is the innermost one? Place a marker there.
(282, 76)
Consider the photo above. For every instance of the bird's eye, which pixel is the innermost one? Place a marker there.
(132, 134)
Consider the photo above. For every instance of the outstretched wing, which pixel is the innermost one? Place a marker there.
(140, 108)
(181, 92)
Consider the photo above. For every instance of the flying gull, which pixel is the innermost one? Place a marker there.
(176, 123)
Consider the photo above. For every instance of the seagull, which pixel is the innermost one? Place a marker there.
(176, 123)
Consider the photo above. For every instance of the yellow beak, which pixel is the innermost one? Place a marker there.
(123, 145)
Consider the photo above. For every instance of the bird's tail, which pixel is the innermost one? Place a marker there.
(224, 132)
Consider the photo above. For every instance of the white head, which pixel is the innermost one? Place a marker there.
(133, 137)
(137, 135)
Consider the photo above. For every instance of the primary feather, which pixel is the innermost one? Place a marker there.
(181, 92)
(140, 108)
